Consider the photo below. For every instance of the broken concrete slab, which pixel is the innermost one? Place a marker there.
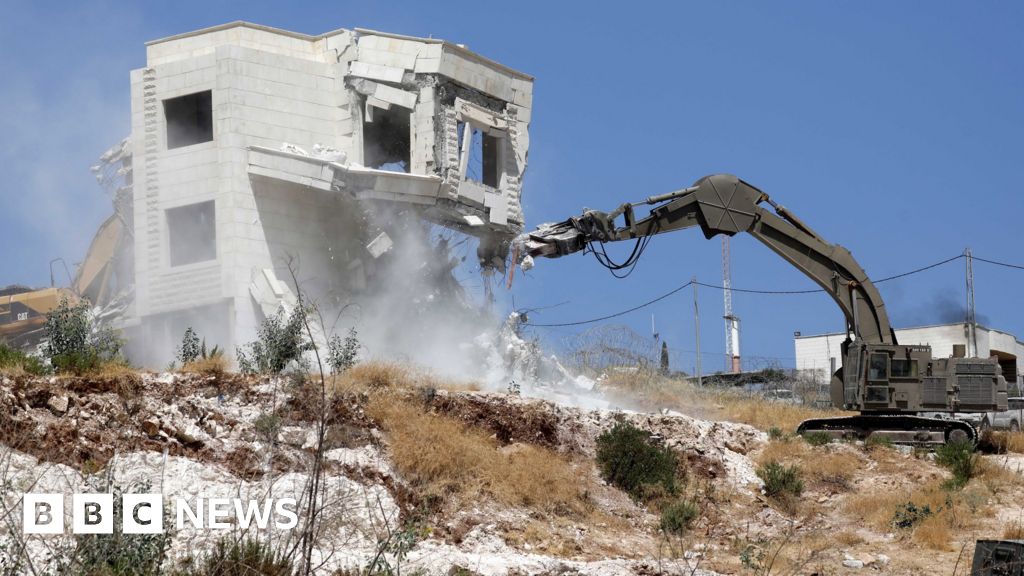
(380, 245)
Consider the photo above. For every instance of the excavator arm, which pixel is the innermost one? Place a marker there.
(725, 204)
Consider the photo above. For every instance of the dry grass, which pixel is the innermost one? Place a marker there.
(382, 375)
(762, 414)
(935, 532)
(848, 538)
(13, 371)
(832, 467)
(875, 509)
(376, 376)
(793, 451)
(951, 513)
(998, 478)
(1001, 442)
(212, 366)
(114, 370)
(1014, 531)
(443, 457)
(835, 469)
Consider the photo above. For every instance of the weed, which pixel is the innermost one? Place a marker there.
(776, 433)
(780, 480)
(908, 515)
(237, 558)
(119, 554)
(267, 426)
(817, 438)
(960, 459)
(1013, 531)
(677, 517)
(877, 441)
(629, 460)
(14, 361)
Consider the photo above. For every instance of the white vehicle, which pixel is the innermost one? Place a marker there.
(1010, 419)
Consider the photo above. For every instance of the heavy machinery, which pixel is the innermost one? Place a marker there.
(998, 558)
(888, 383)
(23, 310)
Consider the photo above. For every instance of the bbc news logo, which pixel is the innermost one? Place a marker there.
(144, 513)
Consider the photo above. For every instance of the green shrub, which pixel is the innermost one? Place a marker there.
(12, 359)
(237, 558)
(119, 554)
(960, 459)
(75, 343)
(776, 433)
(780, 480)
(628, 459)
(909, 515)
(818, 438)
(279, 341)
(342, 352)
(188, 352)
(677, 517)
(267, 426)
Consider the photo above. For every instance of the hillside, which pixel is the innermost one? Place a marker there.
(426, 476)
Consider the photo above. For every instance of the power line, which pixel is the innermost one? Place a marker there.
(617, 314)
(928, 267)
(756, 291)
(815, 290)
(999, 263)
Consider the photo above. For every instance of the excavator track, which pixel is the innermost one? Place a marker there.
(899, 429)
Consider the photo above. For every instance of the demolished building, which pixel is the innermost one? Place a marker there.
(254, 149)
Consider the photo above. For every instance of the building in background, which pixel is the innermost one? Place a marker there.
(821, 355)
(252, 145)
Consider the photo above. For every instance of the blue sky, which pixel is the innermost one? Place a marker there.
(893, 129)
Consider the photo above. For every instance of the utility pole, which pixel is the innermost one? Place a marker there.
(696, 322)
(732, 322)
(972, 319)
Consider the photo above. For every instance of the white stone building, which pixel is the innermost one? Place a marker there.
(251, 145)
(821, 354)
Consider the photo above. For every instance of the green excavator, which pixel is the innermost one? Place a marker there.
(890, 384)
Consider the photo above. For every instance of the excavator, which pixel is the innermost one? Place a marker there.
(892, 385)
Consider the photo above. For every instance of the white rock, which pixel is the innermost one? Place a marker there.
(58, 404)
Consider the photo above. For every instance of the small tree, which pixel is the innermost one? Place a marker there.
(74, 342)
(279, 341)
(342, 352)
(664, 359)
(188, 352)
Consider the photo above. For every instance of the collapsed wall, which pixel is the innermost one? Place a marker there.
(353, 165)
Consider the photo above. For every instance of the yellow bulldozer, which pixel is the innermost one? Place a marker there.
(23, 310)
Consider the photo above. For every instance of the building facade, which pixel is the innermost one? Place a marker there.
(252, 147)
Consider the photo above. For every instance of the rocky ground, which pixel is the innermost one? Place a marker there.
(189, 435)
